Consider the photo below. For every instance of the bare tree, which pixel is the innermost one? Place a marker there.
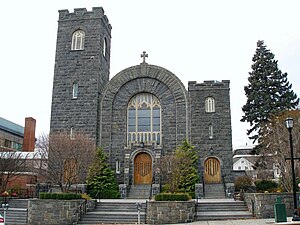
(170, 171)
(68, 158)
(276, 145)
(12, 164)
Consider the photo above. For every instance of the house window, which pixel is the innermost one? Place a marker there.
(239, 168)
(242, 161)
(210, 131)
(246, 167)
(78, 40)
(118, 166)
(144, 119)
(210, 104)
(75, 90)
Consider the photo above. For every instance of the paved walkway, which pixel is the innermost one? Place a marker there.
(241, 222)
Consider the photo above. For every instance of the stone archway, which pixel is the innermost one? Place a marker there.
(212, 171)
(142, 169)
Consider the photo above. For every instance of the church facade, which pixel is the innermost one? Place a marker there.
(142, 113)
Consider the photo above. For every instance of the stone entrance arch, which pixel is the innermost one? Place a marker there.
(142, 169)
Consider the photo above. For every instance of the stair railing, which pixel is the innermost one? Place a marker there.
(224, 185)
(203, 187)
(151, 190)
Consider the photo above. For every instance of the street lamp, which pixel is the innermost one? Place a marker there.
(5, 205)
(289, 125)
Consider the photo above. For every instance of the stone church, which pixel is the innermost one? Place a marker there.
(141, 113)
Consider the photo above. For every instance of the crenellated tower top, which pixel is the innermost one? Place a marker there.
(82, 13)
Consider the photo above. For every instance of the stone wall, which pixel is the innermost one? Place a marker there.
(170, 212)
(262, 204)
(52, 212)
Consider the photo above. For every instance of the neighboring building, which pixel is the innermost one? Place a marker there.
(142, 113)
(244, 162)
(18, 161)
(14, 137)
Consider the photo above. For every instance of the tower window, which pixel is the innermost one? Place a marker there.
(144, 119)
(210, 104)
(72, 136)
(104, 47)
(75, 90)
(210, 131)
(78, 40)
(118, 167)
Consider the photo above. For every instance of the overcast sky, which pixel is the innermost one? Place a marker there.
(196, 40)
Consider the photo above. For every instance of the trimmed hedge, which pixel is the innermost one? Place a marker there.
(61, 196)
(172, 197)
(266, 185)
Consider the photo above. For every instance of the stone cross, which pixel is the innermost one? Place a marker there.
(144, 56)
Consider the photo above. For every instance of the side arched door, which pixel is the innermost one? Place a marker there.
(212, 173)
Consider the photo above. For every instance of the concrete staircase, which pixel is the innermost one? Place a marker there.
(116, 212)
(221, 209)
(214, 191)
(139, 192)
(17, 212)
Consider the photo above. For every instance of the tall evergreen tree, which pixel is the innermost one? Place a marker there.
(101, 180)
(268, 91)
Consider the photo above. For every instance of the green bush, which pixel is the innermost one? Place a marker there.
(172, 197)
(42, 195)
(61, 196)
(266, 185)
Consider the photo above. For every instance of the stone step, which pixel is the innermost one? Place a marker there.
(18, 203)
(221, 210)
(122, 206)
(15, 216)
(139, 192)
(213, 215)
(115, 213)
(214, 191)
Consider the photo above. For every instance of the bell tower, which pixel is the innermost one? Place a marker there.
(81, 71)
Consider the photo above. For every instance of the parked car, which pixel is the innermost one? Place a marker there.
(1, 220)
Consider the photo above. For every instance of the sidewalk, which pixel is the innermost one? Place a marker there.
(241, 222)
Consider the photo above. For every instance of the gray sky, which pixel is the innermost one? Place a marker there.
(195, 39)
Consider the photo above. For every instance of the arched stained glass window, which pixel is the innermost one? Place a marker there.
(210, 104)
(78, 40)
(144, 119)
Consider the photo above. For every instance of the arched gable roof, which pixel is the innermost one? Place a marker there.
(144, 78)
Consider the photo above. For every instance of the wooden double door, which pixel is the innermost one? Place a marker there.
(212, 171)
(142, 169)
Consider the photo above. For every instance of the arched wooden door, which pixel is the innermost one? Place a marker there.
(212, 174)
(142, 169)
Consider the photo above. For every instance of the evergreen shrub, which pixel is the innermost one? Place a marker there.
(266, 185)
(172, 197)
(60, 196)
